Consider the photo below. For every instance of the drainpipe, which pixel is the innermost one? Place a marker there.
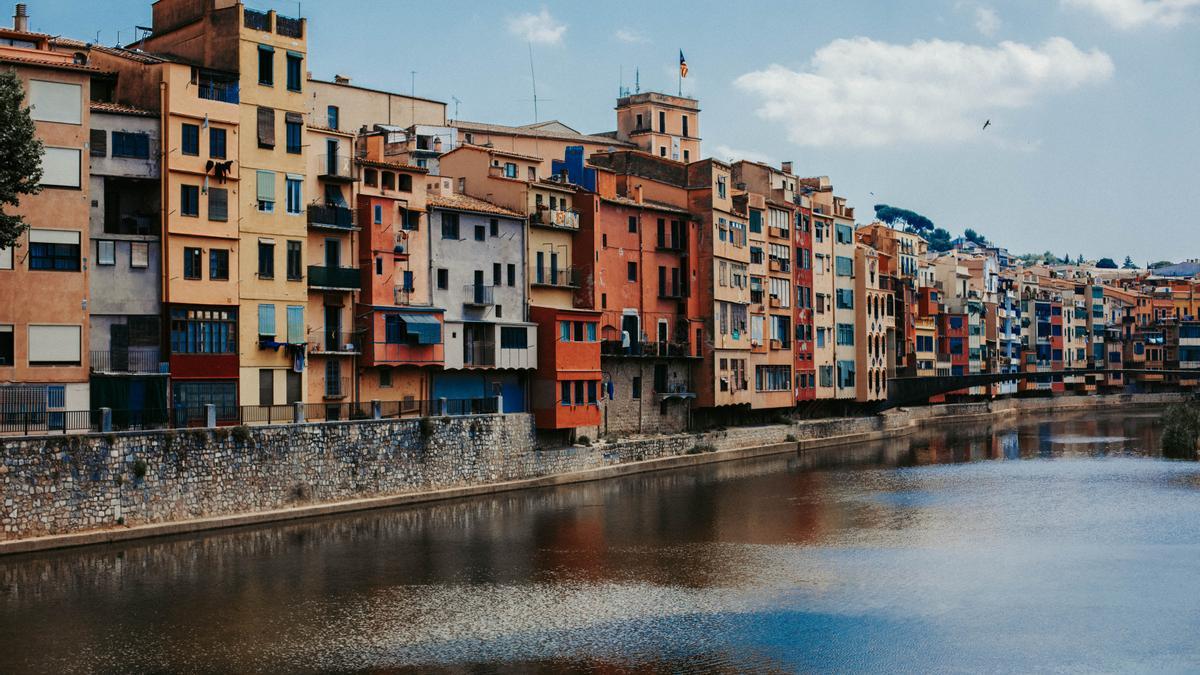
(164, 260)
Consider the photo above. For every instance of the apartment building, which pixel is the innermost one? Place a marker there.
(875, 315)
(44, 279)
(660, 124)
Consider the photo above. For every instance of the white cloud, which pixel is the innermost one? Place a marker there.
(731, 154)
(1128, 14)
(540, 28)
(987, 21)
(629, 35)
(861, 92)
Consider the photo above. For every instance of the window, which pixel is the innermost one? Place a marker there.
(132, 145)
(845, 334)
(266, 65)
(845, 373)
(266, 259)
(514, 337)
(772, 378)
(389, 180)
(331, 116)
(189, 140)
(54, 250)
(449, 226)
(266, 127)
(98, 142)
(844, 233)
(843, 266)
(631, 271)
(189, 201)
(295, 72)
(494, 227)
(294, 269)
(293, 133)
(266, 191)
(218, 204)
(218, 263)
(294, 197)
(721, 189)
(106, 252)
(496, 274)
(510, 170)
(266, 320)
(60, 167)
(565, 393)
(385, 378)
(55, 102)
(191, 263)
(216, 143)
(637, 388)
(53, 345)
(203, 331)
(443, 278)
(512, 275)
(633, 223)
(845, 298)
(480, 233)
(139, 254)
(662, 121)
(6, 345)
(404, 182)
(370, 177)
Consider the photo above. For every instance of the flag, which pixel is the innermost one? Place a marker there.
(682, 64)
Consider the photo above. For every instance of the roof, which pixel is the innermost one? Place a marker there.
(464, 203)
(377, 91)
(120, 109)
(646, 203)
(552, 129)
(47, 63)
(399, 166)
(495, 151)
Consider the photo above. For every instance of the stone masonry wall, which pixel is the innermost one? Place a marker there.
(59, 485)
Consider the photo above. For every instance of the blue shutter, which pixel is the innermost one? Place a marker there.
(295, 324)
(266, 320)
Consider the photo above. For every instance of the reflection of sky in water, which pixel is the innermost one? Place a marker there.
(1078, 564)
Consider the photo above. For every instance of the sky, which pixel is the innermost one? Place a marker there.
(1093, 147)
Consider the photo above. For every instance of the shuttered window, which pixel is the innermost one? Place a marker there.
(266, 187)
(266, 320)
(295, 324)
(218, 204)
(266, 127)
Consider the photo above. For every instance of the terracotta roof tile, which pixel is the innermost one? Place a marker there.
(120, 109)
(465, 203)
(538, 132)
(48, 63)
(400, 166)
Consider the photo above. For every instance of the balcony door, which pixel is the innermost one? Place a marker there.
(333, 253)
(331, 150)
(479, 290)
(333, 326)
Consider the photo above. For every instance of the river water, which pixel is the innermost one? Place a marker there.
(1064, 544)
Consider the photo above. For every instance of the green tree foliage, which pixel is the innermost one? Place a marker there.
(896, 216)
(975, 237)
(1159, 264)
(1107, 264)
(21, 153)
(939, 240)
(1181, 430)
(1128, 264)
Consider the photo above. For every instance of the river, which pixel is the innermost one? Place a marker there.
(1055, 544)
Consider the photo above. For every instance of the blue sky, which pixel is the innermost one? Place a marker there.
(1094, 147)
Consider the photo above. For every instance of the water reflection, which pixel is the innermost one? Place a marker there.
(918, 553)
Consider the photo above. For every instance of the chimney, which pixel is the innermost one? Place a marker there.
(341, 79)
(637, 193)
(786, 167)
(21, 18)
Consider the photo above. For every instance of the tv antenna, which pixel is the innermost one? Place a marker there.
(456, 102)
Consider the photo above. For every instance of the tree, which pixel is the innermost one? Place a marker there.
(1181, 429)
(1159, 264)
(1128, 264)
(1079, 260)
(939, 240)
(974, 237)
(1107, 264)
(892, 216)
(21, 168)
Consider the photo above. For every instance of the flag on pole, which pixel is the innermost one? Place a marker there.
(682, 64)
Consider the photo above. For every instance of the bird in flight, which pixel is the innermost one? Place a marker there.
(987, 124)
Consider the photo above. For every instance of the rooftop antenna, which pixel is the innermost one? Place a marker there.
(533, 78)
(412, 98)
(637, 81)
(456, 102)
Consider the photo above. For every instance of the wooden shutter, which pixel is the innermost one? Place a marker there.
(99, 143)
(294, 118)
(266, 127)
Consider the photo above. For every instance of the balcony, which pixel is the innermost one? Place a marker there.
(778, 232)
(668, 245)
(337, 388)
(557, 278)
(336, 169)
(773, 301)
(144, 360)
(478, 295)
(334, 278)
(780, 264)
(555, 218)
(400, 244)
(222, 92)
(479, 353)
(337, 218)
(289, 27)
(670, 292)
(334, 342)
(649, 350)
(257, 20)
(402, 295)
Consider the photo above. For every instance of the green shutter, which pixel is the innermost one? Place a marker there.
(266, 186)
(295, 325)
(266, 320)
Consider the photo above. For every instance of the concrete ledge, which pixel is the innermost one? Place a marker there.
(937, 418)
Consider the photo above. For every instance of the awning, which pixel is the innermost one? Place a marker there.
(425, 326)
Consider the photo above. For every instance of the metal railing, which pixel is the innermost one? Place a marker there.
(333, 342)
(479, 353)
(224, 92)
(646, 349)
(257, 20)
(336, 167)
(566, 277)
(331, 216)
(148, 360)
(289, 27)
(320, 276)
(479, 294)
(337, 387)
(564, 218)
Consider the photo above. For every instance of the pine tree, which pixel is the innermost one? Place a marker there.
(21, 168)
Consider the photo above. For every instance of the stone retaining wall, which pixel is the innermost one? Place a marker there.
(72, 484)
